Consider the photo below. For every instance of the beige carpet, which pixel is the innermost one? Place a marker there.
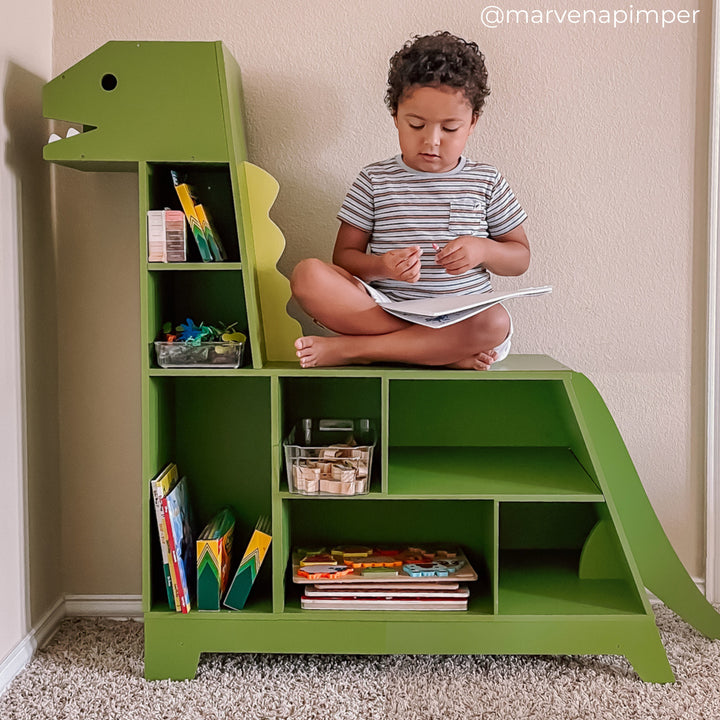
(93, 669)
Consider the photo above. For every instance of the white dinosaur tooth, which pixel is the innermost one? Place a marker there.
(54, 138)
(72, 132)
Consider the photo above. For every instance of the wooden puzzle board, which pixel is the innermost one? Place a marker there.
(465, 574)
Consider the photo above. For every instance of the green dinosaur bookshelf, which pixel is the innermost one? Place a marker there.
(545, 499)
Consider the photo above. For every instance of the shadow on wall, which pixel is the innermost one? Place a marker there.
(27, 133)
(299, 147)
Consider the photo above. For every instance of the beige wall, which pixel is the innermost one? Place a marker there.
(600, 130)
(29, 499)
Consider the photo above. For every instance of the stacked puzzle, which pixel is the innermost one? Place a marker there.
(359, 577)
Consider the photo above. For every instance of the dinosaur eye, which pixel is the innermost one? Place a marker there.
(108, 82)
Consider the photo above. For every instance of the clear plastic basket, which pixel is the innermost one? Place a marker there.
(203, 355)
(330, 457)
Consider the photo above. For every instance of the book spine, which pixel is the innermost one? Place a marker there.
(164, 546)
(247, 571)
(177, 579)
(213, 240)
(208, 574)
(188, 206)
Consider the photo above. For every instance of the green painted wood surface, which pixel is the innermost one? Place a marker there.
(501, 473)
(165, 106)
(173, 644)
(658, 564)
(602, 555)
(546, 582)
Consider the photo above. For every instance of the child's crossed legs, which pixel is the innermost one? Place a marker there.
(334, 298)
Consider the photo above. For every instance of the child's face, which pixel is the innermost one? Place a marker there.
(433, 125)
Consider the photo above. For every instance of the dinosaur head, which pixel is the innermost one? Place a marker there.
(140, 101)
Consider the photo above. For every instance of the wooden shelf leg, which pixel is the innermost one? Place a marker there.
(649, 660)
(170, 660)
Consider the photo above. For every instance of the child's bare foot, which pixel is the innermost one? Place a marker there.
(315, 351)
(481, 361)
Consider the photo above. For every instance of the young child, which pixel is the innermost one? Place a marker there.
(434, 222)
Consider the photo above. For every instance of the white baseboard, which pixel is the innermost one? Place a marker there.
(23, 652)
(109, 606)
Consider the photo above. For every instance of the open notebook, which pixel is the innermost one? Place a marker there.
(443, 310)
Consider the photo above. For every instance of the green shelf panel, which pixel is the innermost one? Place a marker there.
(213, 266)
(244, 371)
(285, 494)
(525, 473)
(257, 605)
(173, 645)
(537, 368)
(546, 582)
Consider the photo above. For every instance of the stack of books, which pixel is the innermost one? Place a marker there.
(383, 578)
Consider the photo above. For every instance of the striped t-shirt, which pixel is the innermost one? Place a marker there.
(400, 207)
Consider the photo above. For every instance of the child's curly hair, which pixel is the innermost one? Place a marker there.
(438, 59)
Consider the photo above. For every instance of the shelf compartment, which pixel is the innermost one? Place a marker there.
(562, 559)
(329, 397)
(503, 473)
(217, 430)
(546, 582)
(489, 413)
(328, 523)
(213, 188)
(318, 398)
(212, 298)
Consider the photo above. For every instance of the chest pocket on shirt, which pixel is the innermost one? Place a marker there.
(467, 217)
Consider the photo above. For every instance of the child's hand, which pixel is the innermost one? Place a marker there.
(403, 264)
(461, 254)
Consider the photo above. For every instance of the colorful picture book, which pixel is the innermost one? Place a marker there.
(160, 486)
(214, 555)
(178, 519)
(206, 238)
(216, 247)
(249, 566)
